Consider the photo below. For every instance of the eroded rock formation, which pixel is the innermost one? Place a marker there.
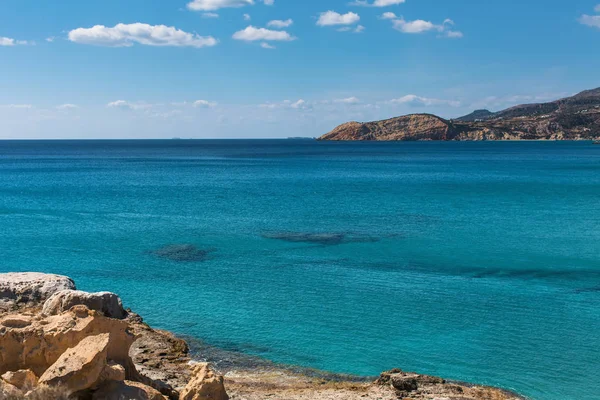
(109, 304)
(53, 346)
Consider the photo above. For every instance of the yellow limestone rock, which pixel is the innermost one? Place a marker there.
(127, 390)
(37, 343)
(80, 367)
(205, 384)
(23, 379)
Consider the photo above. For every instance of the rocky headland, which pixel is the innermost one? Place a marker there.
(60, 343)
(571, 118)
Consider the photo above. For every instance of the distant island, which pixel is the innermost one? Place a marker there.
(571, 118)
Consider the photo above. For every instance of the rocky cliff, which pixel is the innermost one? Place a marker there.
(571, 118)
(60, 343)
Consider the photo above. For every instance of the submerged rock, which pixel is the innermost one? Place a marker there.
(107, 303)
(31, 287)
(182, 253)
(304, 237)
(326, 239)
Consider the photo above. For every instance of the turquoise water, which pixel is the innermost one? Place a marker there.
(473, 261)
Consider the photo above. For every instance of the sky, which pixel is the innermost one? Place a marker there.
(278, 68)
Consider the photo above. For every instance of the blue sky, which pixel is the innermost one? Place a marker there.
(243, 68)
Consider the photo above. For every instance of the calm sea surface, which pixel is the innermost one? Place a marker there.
(472, 261)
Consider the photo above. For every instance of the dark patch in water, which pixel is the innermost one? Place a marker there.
(324, 239)
(594, 289)
(182, 253)
(549, 275)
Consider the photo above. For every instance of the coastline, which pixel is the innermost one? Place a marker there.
(36, 305)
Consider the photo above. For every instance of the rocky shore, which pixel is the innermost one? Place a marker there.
(60, 343)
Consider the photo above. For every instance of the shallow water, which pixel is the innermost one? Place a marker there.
(473, 261)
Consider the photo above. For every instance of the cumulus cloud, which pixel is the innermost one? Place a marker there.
(277, 23)
(377, 3)
(416, 26)
(5, 41)
(212, 5)
(300, 104)
(125, 35)
(269, 2)
(247, 17)
(126, 105)
(330, 18)
(348, 100)
(421, 26)
(266, 45)
(389, 15)
(210, 15)
(204, 104)
(591, 20)
(418, 101)
(67, 106)
(454, 34)
(18, 106)
(252, 33)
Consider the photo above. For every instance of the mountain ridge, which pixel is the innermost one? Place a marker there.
(571, 118)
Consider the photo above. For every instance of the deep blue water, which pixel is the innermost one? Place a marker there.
(472, 261)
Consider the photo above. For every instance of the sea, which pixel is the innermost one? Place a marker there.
(474, 261)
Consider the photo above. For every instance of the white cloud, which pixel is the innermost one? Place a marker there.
(210, 15)
(330, 18)
(269, 2)
(359, 29)
(252, 33)
(348, 100)
(212, 5)
(454, 34)
(377, 3)
(591, 20)
(204, 104)
(277, 23)
(266, 45)
(418, 101)
(50, 39)
(421, 26)
(67, 106)
(19, 106)
(125, 35)
(5, 41)
(300, 104)
(126, 105)
(247, 17)
(416, 26)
